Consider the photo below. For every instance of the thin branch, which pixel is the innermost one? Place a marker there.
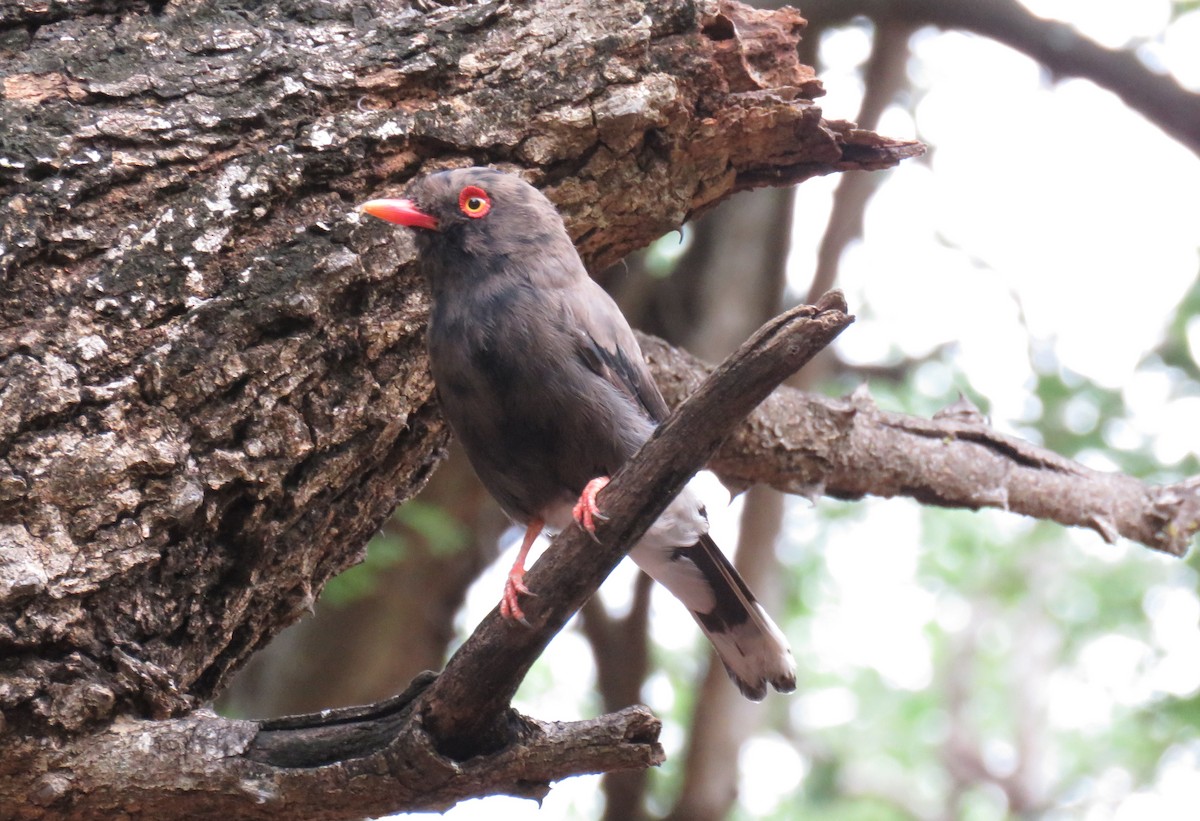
(722, 720)
(620, 645)
(849, 448)
(1057, 46)
(885, 76)
(621, 650)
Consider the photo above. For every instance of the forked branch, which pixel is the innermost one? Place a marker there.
(452, 736)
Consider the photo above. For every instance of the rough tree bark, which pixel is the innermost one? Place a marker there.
(212, 383)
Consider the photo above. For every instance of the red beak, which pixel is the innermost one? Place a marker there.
(401, 212)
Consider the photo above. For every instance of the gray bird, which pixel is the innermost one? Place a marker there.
(544, 384)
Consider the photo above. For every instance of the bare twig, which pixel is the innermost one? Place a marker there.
(722, 720)
(885, 76)
(621, 649)
(752, 238)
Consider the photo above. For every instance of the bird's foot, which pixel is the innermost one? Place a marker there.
(514, 588)
(514, 585)
(586, 512)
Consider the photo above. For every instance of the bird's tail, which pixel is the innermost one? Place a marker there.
(751, 647)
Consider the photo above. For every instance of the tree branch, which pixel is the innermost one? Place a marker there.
(884, 77)
(849, 448)
(374, 760)
(621, 650)
(451, 736)
(721, 719)
(1056, 45)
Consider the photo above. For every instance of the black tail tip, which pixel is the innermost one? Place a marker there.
(757, 690)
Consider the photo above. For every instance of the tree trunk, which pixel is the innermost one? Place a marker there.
(365, 649)
(212, 380)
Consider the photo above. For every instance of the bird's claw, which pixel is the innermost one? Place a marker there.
(586, 512)
(514, 588)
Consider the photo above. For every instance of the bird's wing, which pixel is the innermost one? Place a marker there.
(606, 344)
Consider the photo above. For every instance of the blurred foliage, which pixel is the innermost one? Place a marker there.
(433, 528)
(1174, 350)
(1048, 680)
(1182, 7)
(1047, 668)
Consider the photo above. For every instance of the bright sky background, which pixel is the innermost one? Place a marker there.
(1048, 215)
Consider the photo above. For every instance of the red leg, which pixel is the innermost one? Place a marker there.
(514, 586)
(586, 512)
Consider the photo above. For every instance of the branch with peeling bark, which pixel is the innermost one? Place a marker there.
(849, 448)
(450, 736)
(373, 761)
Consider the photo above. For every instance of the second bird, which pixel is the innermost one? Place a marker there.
(544, 384)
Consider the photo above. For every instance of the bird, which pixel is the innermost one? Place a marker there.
(543, 382)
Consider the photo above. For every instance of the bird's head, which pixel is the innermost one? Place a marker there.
(479, 217)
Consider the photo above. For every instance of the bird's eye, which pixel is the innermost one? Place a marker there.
(474, 202)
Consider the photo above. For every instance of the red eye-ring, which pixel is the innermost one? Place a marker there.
(474, 202)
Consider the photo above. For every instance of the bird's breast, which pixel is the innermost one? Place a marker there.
(535, 420)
